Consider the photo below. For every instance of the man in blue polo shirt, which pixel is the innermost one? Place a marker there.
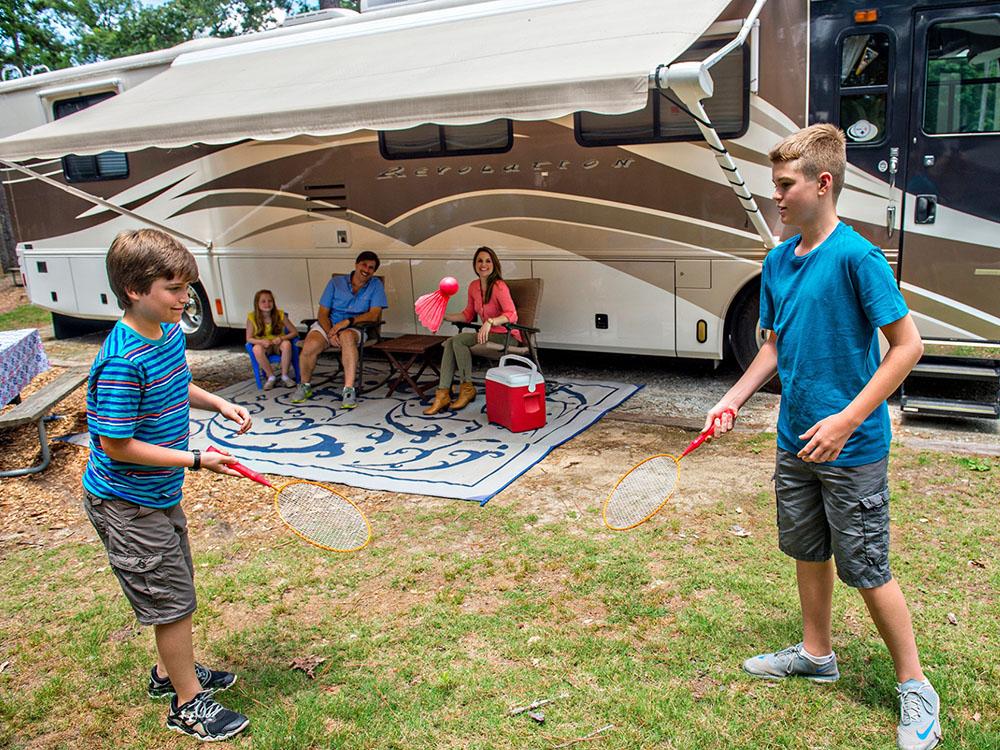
(346, 301)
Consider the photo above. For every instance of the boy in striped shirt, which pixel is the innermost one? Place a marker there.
(138, 399)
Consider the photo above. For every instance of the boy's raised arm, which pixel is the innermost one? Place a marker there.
(202, 399)
(760, 371)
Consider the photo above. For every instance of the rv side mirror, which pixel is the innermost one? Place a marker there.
(926, 209)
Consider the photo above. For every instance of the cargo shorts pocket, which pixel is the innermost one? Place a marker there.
(134, 563)
(875, 523)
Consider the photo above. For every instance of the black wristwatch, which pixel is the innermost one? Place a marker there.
(197, 459)
(350, 321)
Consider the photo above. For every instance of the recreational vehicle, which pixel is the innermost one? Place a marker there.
(617, 151)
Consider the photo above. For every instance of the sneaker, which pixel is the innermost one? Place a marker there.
(791, 662)
(205, 719)
(919, 716)
(287, 381)
(211, 680)
(303, 393)
(269, 383)
(349, 399)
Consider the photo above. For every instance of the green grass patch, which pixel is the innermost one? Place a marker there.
(423, 641)
(24, 316)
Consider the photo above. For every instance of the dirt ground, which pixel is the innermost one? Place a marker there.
(43, 509)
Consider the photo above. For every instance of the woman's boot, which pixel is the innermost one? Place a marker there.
(466, 394)
(442, 399)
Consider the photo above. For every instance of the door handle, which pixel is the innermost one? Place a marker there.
(926, 209)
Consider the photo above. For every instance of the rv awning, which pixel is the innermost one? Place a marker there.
(451, 64)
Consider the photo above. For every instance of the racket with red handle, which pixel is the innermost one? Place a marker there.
(647, 486)
(318, 514)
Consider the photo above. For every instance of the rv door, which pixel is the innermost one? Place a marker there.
(950, 269)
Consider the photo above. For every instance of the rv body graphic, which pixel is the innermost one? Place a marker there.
(634, 228)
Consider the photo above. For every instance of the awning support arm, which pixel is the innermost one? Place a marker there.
(207, 244)
(692, 83)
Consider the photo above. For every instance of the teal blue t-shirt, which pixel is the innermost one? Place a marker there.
(826, 308)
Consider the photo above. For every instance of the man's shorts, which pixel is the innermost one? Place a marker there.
(841, 511)
(149, 554)
(362, 336)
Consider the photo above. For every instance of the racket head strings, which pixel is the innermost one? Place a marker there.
(322, 516)
(641, 492)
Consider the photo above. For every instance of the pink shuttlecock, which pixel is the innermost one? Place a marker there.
(430, 307)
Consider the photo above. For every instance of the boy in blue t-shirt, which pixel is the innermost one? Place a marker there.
(825, 294)
(138, 398)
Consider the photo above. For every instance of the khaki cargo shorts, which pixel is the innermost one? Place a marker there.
(838, 511)
(149, 554)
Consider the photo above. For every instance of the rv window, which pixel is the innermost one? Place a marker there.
(446, 140)
(864, 87)
(963, 77)
(110, 165)
(663, 120)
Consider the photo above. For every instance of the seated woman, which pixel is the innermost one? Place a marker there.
(489, 300)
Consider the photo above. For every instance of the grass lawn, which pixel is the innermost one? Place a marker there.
(457, 614)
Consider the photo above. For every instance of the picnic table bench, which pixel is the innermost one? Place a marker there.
(36, 409)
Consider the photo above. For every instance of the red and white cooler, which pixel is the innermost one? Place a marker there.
(515, 395)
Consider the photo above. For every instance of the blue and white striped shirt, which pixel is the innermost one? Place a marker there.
(138, 388)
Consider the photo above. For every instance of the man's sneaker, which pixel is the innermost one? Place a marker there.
(303, 393)
(211, 681)
(791, 661)
(204, 719)
(287, 381)
(349, 399)
(269, 383)
(919, 716)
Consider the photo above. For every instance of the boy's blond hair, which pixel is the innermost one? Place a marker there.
(139, 257)
(817, 149)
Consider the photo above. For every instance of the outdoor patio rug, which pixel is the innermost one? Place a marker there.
(386, 443)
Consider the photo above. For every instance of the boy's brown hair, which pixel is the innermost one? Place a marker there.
(139, 257)
(817, 149)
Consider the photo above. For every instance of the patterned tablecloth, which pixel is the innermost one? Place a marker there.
(21, 359)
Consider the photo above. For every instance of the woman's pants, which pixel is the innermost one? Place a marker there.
(457, 357)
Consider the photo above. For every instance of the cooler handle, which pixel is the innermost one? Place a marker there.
(532, 382)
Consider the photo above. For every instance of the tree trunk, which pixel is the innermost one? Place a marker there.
(7, 257)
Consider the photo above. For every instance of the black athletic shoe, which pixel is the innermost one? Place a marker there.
(204, 719)
(211, 681)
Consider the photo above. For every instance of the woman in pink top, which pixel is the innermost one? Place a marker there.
(490, 302)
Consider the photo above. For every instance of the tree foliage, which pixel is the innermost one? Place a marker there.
(59, 33)
(31, 34)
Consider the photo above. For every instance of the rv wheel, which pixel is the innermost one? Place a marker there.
(196, 321)
(745, 334)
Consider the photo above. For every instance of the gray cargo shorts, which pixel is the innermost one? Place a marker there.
(149, 554)
(841, 511)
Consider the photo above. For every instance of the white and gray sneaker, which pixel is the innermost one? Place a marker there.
(919, 716)
(205, 719)
(792, 662)
(349, 399)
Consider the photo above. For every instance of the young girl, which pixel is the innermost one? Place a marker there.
(489, 300)
(271, 331)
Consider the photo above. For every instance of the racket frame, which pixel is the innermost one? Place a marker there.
(623, 477)
(307, 538)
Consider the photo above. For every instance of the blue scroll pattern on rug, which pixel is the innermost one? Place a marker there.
(388, 444)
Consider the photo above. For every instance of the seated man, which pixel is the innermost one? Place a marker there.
(346, 301)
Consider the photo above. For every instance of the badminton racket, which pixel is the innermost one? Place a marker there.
(318, 514)
(644, 489)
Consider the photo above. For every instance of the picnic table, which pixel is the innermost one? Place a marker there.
(21, 359)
